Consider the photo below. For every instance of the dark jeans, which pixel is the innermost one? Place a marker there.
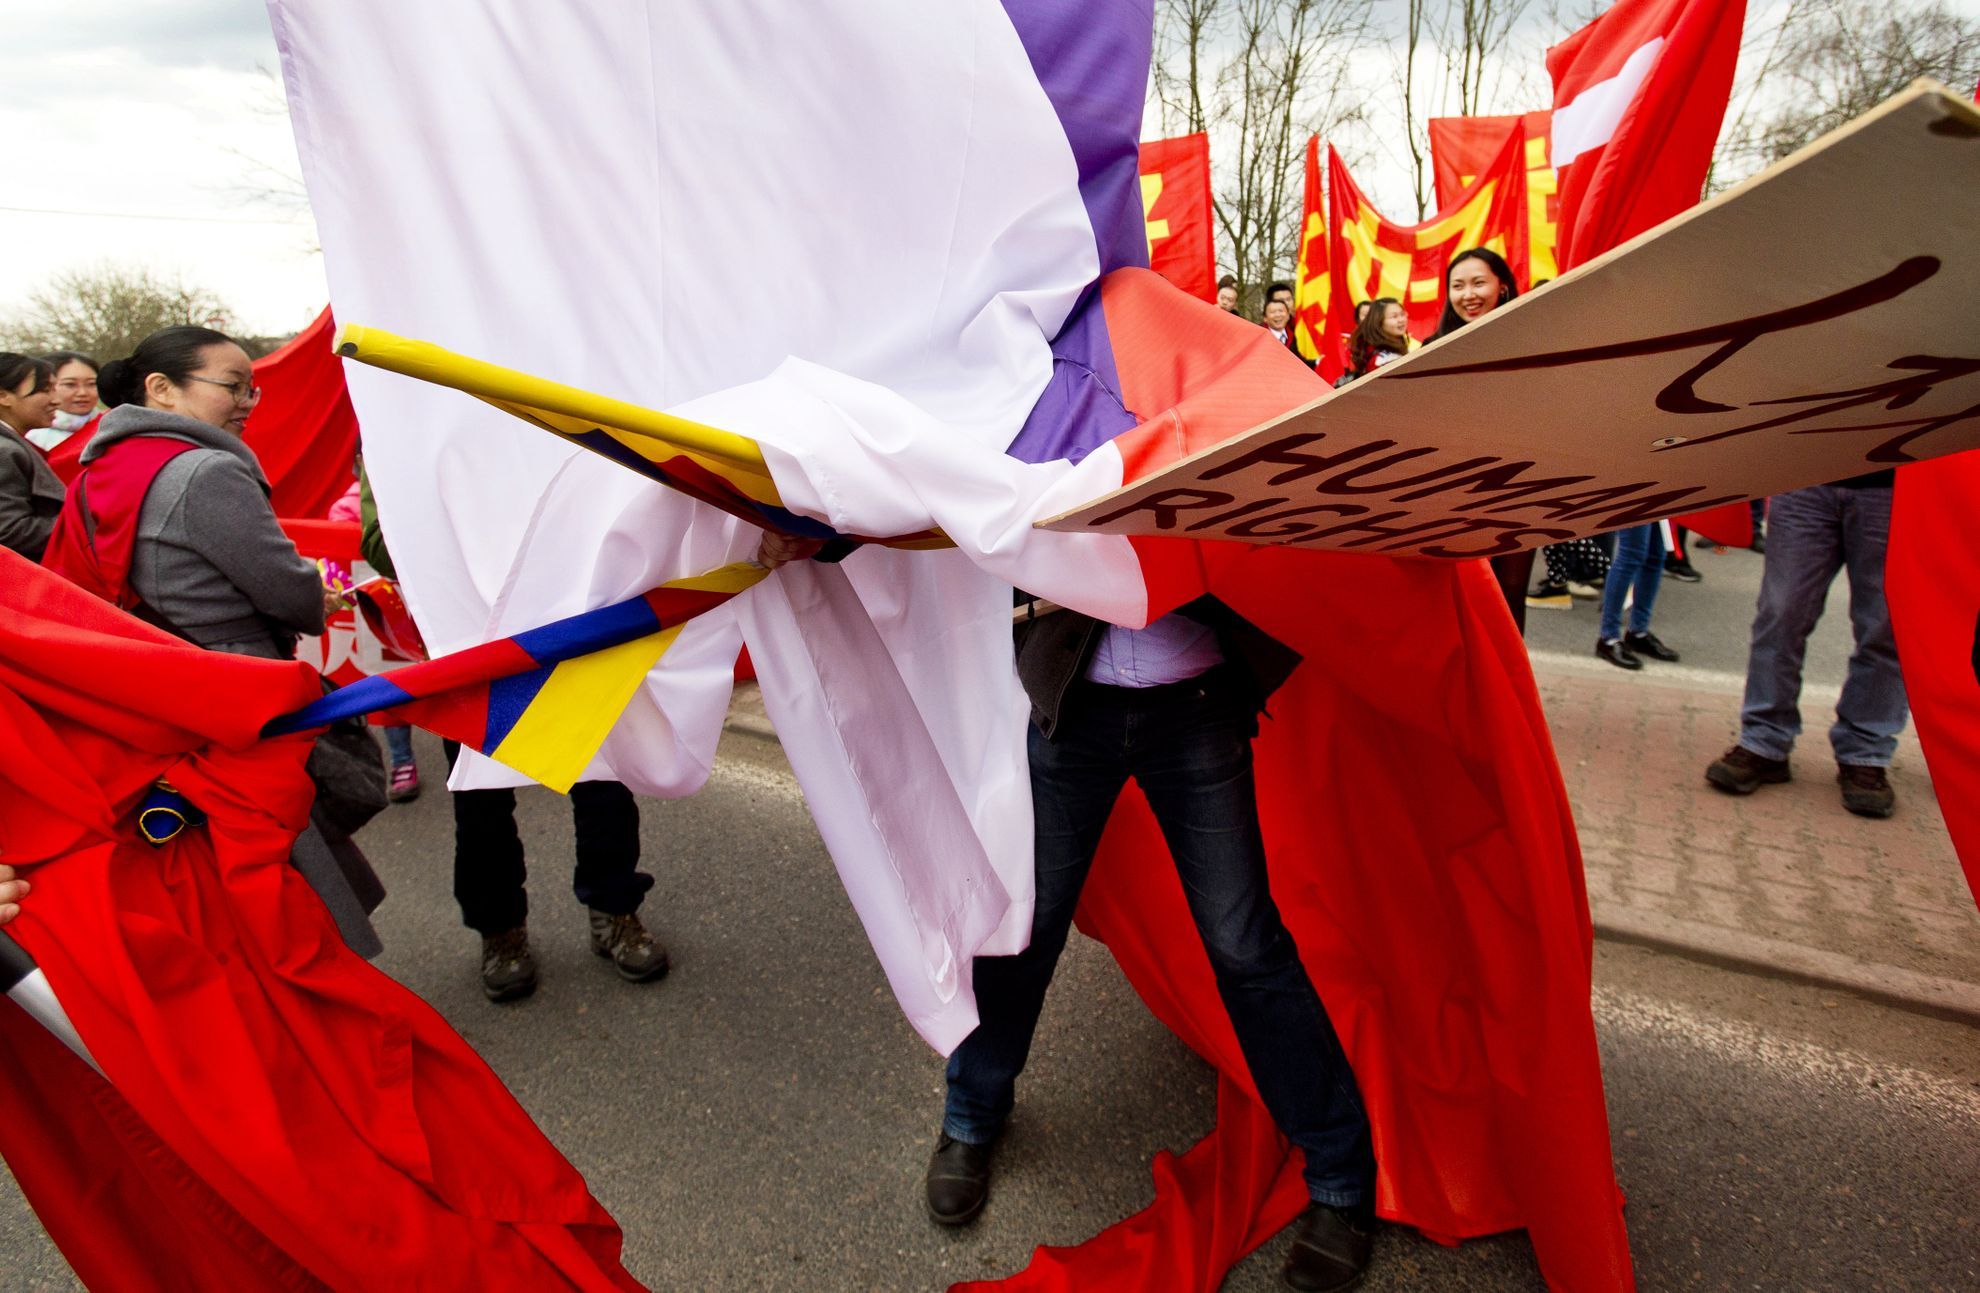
(1188, 745)
(1811, 534)
(488, 853)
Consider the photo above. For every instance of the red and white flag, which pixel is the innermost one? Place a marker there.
(1639, 95)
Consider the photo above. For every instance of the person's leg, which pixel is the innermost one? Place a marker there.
(1804, 551)
(398, 741)
(1514, 572)
(1649, 580)
(605, 819)
(1624, 570)
(488, 858)
(1075, 780)
(1872, 709)
(1194, 763)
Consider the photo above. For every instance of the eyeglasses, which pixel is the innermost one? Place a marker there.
(243, 392)
(76, 384)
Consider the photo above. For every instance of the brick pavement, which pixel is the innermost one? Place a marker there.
(1786, 863)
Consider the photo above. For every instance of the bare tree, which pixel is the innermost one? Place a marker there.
(1828, 61)
(105, 311)
(1484, 57)
(1259, 76)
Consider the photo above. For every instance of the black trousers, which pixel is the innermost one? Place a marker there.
(489, 872)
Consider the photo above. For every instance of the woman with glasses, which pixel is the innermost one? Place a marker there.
(30, 491)
(75, 400)
(170, 520)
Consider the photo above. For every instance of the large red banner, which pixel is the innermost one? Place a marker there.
(1462, 148)
(1373, 257)
(1175, 202)
(1313, 285)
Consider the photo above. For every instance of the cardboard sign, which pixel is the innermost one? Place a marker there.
(1818, 322)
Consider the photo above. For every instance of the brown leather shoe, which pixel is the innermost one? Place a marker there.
(634, 953)
(1866, 791)
(958, 1181)
(508, 971)
(1330, 1250)
(1739, 771)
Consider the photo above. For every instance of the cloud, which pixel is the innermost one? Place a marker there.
(229, 34)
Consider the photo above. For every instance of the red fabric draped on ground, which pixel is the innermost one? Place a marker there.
(278, 1112)
(1423, 854)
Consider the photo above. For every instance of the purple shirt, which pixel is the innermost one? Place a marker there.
(1171, 649)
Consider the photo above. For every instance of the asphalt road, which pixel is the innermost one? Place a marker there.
(760, 1119)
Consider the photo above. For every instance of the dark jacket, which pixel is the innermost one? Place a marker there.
(30, 496)
(1055, 649)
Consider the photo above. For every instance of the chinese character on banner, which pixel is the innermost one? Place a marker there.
(1373, 257)
(1462, 147)
(1175, 202)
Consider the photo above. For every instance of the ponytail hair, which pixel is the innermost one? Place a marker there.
(175, 352)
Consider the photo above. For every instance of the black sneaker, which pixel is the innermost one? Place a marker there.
(1681, 569)
(1330, 1249)
(1739, 771)
(1651, 645)
(1866, 791)
(508, 971)
(958, 1180)
(1617, 653)
(635, 954)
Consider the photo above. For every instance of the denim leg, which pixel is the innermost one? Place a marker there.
(1871, 711)
(398, 740)
(1649, 580)
(1804, 551)
(1631, 546)
(1075, 780)
(605, 819)
(488, 858)
(1194, 763)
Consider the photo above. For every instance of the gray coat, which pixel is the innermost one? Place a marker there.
(30, 496)
(211, 562)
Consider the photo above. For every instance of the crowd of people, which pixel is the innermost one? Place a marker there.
(170, 519)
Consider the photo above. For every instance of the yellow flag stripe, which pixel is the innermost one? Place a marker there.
(559, 734)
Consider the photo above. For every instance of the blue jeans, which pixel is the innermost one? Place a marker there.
(1188, 745)
(1811, 534)
(398, 740)
(1639, 561)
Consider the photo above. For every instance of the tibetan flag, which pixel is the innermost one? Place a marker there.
(271, 1111)
(1373, 257)
(1176, 211)
(1461, 148)
(1639, 95)
(542, 701)
(1313, 287)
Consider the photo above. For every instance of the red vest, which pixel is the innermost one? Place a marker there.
(97, 527)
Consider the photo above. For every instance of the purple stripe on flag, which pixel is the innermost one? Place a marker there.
(1092, 60)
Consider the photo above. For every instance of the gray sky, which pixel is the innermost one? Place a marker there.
(164, 117)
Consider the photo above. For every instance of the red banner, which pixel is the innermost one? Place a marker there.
(303, 431)
(1373, 257)
(1462, 148)
(1175, 203)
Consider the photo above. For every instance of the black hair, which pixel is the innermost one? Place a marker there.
(1492, 260)
(1274, 289)
(15, 369)
(62, 358)
(1228, 280)
(1368, 338)
(174, 352)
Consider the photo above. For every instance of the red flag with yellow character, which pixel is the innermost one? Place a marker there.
(1175, 203)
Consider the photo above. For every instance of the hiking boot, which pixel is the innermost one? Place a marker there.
(508, 971)
(1330, 1250)
(1651, 645)
(1866, 791)
(1617, 653)
(636, 954)
(958, 1180)
(405, 783)
(1550, 595)
(1739, 771)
